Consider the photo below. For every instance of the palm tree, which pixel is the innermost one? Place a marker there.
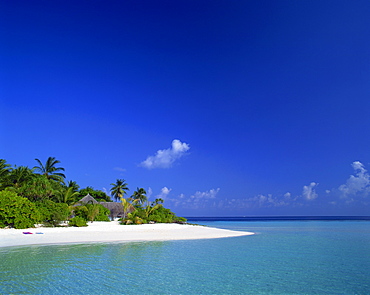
(49, 169)
(149, 209)
(67, 196)
(157, 201)
(39, 188)
(139, 196)
(92, 211)
(119, 189)
(4, 168)
(73, 184)
(4, 171)
(127, 207)
(19, 175)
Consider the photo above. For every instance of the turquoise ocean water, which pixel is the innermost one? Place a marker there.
(284, 257)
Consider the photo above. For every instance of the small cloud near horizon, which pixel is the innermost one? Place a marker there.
(309, 192)
(165, 158)
(356, 184)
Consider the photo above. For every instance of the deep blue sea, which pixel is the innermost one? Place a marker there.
(286, 256)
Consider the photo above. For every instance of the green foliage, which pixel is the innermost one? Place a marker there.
(127, 206)
(80, 211)
(4, 171)
(49, 169)
(66, 195)
(157, 201)
(162, 215)
(152, 213)
(103, 214)
(22, 189)
(119, 189)
(139, 196)
(26, 183)
(180, 219)
(136, 217)
(77, 221)
(73, 184)
(52, 213)
(16, 211)
(39, 188)
(92, 212)
(17, 177)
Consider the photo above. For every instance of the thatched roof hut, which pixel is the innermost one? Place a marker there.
(116, 209)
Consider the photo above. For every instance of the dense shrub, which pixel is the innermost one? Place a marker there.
(80, 211)
(103, 214)
(92, 212)
(53, 213)
(16, 211)
(77, 221)
(157, 214)
(39, 188)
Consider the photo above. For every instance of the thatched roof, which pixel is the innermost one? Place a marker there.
(116, 209)
(87, 200)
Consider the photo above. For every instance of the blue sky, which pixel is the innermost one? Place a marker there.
(221, 108)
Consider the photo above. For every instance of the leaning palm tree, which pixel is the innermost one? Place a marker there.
(149, 209)
(67, 196)
(127, 207)
(139, 196)
(49, 169)
(119, 189)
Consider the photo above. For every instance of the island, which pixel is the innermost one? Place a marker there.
(37, 207)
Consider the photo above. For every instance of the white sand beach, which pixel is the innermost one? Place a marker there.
(111, 232)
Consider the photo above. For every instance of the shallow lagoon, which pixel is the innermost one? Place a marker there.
(285, 257)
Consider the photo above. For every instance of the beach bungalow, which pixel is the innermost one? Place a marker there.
(116, 209)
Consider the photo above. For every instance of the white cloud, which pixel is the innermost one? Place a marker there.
(259, 201)
(197, 200)
(211, 194)
(165, 158)
(164, 193)
(119, 169)
(358, 183)
(309, 192)
(202, 199)
(269, 200)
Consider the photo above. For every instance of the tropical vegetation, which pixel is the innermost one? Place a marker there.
(42, 195)
(140, 210)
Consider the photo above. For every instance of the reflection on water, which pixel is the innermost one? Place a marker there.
(60, 268)
(285, 257)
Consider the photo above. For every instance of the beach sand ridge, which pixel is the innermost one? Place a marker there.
(112, 232)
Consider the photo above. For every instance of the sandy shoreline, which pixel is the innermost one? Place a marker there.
(112, 232)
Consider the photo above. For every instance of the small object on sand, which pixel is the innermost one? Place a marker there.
(27, 233)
